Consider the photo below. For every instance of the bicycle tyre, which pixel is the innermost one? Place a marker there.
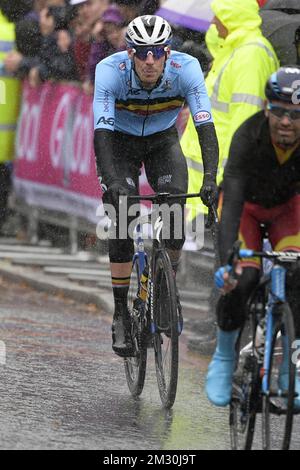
(135, 367)
(246, 392)
(269, 408)
(166, 340)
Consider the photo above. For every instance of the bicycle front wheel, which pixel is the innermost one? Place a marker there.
(278, 404)
(166, 336)
(135, 367)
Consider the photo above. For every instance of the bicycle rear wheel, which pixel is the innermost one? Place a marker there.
(246, 390)
(166, 348)
(278, 406)
(135, 367)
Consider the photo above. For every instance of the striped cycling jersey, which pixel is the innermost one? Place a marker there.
(121, 104)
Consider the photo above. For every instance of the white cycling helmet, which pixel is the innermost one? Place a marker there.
(148, 30)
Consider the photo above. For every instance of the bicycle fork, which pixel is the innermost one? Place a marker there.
(278, 275)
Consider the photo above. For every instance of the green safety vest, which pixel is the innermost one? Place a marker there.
(10, 93)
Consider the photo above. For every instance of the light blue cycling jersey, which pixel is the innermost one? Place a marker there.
(121, 104)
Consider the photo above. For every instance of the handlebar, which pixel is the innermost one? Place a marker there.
(160, 198)
(282, 256)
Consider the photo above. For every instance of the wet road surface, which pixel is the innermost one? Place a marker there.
(62, 387)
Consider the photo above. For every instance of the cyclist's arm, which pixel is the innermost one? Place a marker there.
(209, 148)
(103, 146)
(107, 83)
(236, 176)
(200, 107)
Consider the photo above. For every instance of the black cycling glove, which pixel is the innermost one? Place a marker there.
(209, 190)
(114, 190)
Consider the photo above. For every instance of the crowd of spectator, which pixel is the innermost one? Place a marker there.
(65, 39)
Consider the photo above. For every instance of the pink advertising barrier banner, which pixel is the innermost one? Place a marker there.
(55, 165)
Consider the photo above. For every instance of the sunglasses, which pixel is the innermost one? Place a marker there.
(280, 112)
(143, 51)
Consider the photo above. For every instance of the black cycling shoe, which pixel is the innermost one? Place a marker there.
(121, 337)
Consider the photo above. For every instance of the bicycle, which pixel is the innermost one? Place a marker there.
(267, 337)
(157, 322)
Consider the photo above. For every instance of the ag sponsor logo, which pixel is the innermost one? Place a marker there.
(203, 116)
(106, 121)
(132, 91)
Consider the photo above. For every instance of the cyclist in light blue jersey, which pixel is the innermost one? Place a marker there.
(138, 96)
(122, 104)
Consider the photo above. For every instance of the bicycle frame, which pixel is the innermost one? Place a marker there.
(141, 255)
(277, 295)
(158, 242)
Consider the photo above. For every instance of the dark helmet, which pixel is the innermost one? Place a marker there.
(148, 30)
(282, 84)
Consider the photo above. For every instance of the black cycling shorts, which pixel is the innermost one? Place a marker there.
(166, 171)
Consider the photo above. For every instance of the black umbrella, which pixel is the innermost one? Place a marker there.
(280, 28)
